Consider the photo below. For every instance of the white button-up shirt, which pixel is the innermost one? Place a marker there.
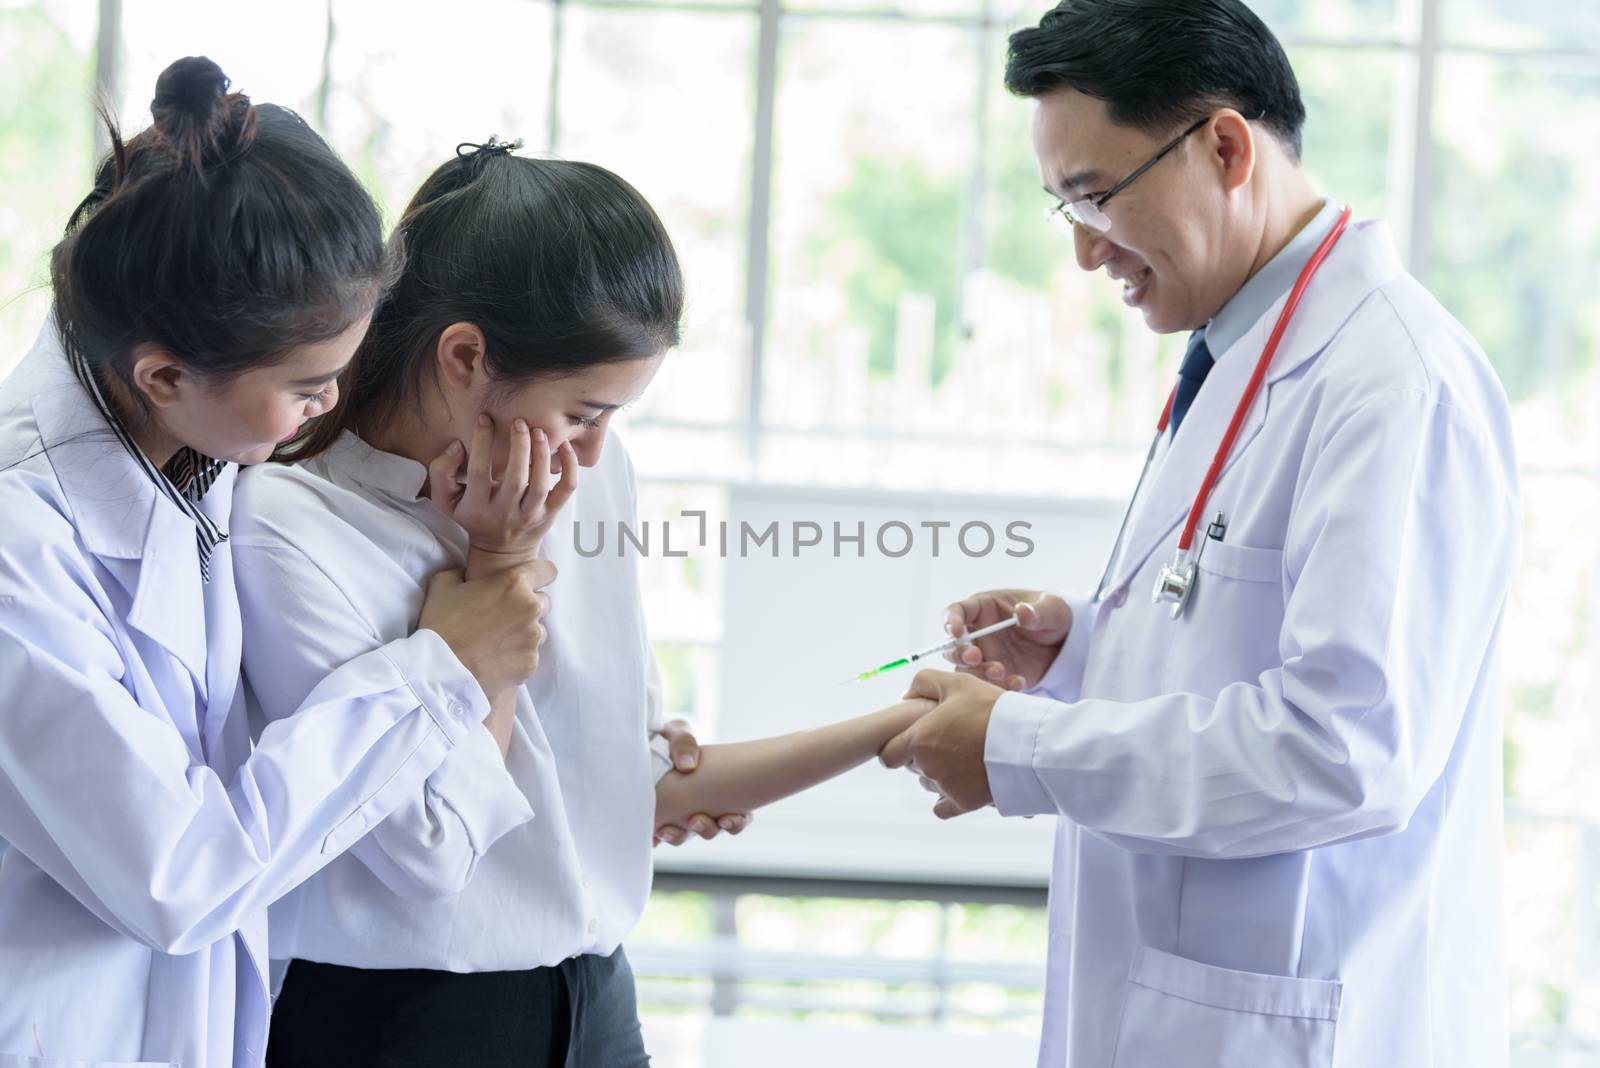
(141, 839)
(1281, 833)
(494, 864)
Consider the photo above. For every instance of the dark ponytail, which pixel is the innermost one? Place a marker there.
(226, 233)
(562, 265)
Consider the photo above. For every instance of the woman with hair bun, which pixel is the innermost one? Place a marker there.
(208, 292)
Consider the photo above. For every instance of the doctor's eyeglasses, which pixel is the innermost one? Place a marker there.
(1089, 212)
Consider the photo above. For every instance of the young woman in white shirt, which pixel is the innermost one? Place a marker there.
(537, 298)
(209, 290)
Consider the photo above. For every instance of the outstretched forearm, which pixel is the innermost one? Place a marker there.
(743, 776)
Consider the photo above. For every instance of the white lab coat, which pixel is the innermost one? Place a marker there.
(1281, 831)
(141, 840)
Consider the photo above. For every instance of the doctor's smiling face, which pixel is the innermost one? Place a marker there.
(1113, 84)
(1178, 237)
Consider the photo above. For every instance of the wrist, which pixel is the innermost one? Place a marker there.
(482, 561)
(462, 652)
(901, 717)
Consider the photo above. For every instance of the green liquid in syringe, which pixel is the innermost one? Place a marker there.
(890, 666)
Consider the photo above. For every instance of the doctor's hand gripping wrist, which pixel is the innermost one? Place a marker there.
(505, 515)
(1016, 658)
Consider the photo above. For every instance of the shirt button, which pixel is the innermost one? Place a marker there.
(1120, 597)
(594, 925)
(458, 710)
(586, 882)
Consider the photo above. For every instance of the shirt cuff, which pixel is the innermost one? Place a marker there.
(447, 690)
(1008, 752)
(660, 756)
(476, 785)
(1063, 680)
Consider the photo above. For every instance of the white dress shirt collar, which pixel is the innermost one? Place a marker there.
(389, 472)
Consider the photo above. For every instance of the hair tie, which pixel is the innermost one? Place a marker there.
(493, 146)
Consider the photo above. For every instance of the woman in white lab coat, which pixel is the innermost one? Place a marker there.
(546, 294)
(208, 292)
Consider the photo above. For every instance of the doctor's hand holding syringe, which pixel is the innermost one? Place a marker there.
(1017, 657)
(946, 746)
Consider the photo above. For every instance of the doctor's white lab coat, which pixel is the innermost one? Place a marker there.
(141, 840)
(1281, 814)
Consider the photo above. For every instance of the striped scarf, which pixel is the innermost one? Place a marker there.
(183, 481)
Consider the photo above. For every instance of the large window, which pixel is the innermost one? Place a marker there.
(876, 302)
(47, 63)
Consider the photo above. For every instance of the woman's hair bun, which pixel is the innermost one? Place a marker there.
(195, 114)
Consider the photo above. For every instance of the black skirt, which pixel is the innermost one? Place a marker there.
(581, 1013)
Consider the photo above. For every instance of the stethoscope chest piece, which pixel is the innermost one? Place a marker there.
(1175, 583)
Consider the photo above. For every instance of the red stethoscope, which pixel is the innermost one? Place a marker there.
(1176, 581)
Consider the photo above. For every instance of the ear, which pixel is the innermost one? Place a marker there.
(1234, 141)
(159, 376)
(460, 354)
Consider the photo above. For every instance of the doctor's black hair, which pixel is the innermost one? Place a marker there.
(1161, 64)
(226, 233)
(561, 264)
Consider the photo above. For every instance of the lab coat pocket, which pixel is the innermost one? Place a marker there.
(1231, 627)
(1179, 1013)
(17, 1060)
(1242, 562)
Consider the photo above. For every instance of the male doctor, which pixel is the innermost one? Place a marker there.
(1280, 829)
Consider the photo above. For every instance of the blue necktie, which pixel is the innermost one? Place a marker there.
(1197, 363)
